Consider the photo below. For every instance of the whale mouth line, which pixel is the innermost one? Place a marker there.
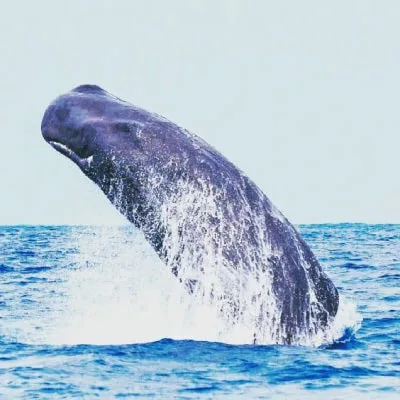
(83, 162)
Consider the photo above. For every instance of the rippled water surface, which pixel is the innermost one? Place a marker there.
(75, 300)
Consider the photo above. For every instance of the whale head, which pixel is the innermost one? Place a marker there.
(105, 137)
(88, 125)
(117, 145)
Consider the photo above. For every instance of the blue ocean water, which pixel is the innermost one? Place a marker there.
(82, 314)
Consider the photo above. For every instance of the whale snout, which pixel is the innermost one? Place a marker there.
(54, 126)
(54, 119)
(46, 123)
(64, 128)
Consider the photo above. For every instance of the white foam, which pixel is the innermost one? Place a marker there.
(117, 291)
(230, 273)
(121, 292)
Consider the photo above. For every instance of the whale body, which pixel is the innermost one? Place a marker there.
(208, 222)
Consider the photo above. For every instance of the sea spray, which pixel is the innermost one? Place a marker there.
(117, 291)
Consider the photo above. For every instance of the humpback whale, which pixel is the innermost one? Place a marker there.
(208, 222)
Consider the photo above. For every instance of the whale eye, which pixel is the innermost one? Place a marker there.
(130, 131)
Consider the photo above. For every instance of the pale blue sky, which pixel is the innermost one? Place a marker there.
(301, 95)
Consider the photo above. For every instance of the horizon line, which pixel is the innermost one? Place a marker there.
(131, 225)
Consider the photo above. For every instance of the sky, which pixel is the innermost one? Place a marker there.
(303, 96)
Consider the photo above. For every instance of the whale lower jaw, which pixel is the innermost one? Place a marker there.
(82, 162)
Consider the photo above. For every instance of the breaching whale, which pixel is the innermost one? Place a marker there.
(208, 222)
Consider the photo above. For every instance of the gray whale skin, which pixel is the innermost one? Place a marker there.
(207, 221)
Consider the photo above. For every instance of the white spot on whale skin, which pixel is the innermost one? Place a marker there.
(89, 160)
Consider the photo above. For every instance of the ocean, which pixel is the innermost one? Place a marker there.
(90, 312)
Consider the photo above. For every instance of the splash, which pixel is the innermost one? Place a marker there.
(204, 246)
(121, 292)
(226, 268)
